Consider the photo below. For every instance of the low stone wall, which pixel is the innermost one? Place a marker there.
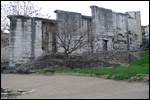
(123, 57)
(90, 64)
(96, 60)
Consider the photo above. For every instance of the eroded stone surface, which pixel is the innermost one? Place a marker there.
(105, 29)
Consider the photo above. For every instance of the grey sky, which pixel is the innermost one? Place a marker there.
(84, 7)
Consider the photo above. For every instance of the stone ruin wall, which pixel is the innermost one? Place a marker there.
(4, 47)
(134, 23)
(78, 23)
(111, 26)
(27, 36)
(145, 32)
(31, 37)
(102, 28)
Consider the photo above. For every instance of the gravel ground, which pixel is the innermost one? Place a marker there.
(73, 87)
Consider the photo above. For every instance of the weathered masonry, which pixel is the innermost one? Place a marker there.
(30, 38)
(106, 30)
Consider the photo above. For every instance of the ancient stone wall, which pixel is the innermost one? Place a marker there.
(105, 30)
(135, 34)
(49, 37)
(102, 28)
(75, 23)
(103, 59)
(145, 31)
(119, 30)
(145, 37)
(26, 39)
(5, 54)
(70, 23)
(112, 27)
(20, 40)
(4, 47)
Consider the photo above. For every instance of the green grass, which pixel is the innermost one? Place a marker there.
(139, 69)
(144, 53)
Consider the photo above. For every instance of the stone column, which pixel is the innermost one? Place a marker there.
(22, 39)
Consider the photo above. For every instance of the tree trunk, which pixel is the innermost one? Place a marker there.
(65, 62)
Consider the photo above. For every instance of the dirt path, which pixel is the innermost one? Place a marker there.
(78, 87)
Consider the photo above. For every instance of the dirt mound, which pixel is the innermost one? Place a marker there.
(96, 60)
(88, 61)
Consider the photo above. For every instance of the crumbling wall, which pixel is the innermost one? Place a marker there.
(49, 30)
(5, 54)
(87, 27)
(105, 30)
(21, 48)
(46, 37)
(146, 30)
(112, 27)
(26, 39)
(135, 35)
(119, 29)
(77, 24)
(103, 59)
(4, 47)
(38, 38)
(70, 24)
(102, 28)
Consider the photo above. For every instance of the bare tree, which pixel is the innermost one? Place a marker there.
(26, 8)
(71, 38)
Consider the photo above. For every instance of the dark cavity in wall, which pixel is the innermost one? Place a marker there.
(105, 45)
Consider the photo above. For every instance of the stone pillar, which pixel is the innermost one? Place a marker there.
(22, 40)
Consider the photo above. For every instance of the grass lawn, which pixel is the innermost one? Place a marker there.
(137, 70)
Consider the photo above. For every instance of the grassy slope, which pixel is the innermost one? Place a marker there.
(138, 69)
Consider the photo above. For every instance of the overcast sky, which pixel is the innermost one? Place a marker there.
(84, 7)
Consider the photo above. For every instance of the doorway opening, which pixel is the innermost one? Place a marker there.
(105, 45)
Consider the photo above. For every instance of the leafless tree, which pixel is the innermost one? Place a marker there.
(71, 38)
(26, 8)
